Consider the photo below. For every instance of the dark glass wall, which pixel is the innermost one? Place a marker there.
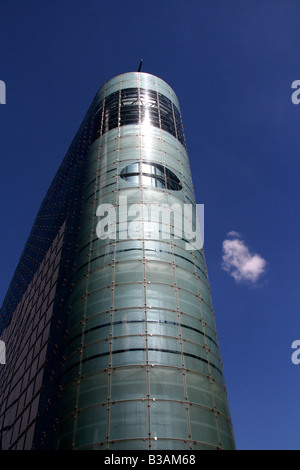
(61, 207)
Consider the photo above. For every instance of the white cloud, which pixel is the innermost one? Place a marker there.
(233, 233)
(239, 262)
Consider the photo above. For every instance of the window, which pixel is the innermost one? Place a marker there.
(151, 174)
(137, 106)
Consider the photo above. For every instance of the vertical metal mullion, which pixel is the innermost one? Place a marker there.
(174, 119)
(109, 401)
(144, 268)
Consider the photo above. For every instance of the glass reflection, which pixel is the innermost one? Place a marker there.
(151, 174)
(137, 106)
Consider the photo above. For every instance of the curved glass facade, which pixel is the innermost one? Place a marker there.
(108, 321)
(143, 367)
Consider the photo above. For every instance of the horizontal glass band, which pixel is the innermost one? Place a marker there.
(168, 351)
(137, 106)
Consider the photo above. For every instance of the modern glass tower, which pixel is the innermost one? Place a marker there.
(108, 323)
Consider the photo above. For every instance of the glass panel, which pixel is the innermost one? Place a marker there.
(168, 419)
(204, 426)
(65, 431)
(166, 344)
(134, 414)
(128, 272)
(132, 168)
(93, 390)
(96, 321)
(188, 302)
(129, 297)
(124, 343)
(100, 278)
(133, 179)
(97, 333)
(167, 328)
(162, 296)
(220, 398)
(141, 444)
(165, 358)
(128, 383)
(91, 426)
(160, 182)
(147, 180)
(199, 389)
(147, 168)
(125, 358)
(166, 383)
(95, 363)
(198, 365)
(159, 272)
(160, 170)
(165, 444)
(226, 434)
(68, 402)
(98, 302)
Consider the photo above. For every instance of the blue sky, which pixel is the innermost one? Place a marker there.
(231, 65)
